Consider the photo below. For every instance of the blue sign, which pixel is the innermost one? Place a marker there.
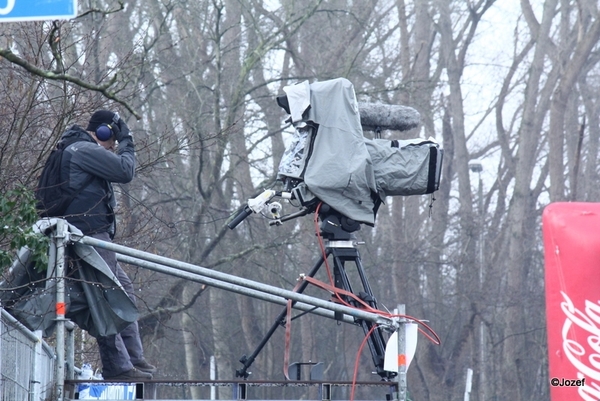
(36, 10)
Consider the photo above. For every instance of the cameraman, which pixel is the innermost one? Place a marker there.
(92, 164)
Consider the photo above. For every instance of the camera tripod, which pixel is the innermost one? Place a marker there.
(338, 232)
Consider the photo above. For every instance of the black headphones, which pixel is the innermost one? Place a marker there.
(105, 131)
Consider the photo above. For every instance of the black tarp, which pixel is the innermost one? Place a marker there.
(94, 298)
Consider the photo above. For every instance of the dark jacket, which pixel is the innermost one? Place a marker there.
(92, 210)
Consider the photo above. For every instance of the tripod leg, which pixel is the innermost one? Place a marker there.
(377, 336)
(279, 321)
(376, 340)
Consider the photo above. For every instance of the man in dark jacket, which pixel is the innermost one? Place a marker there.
(92, 163)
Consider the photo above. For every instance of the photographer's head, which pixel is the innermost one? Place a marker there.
(103, 126)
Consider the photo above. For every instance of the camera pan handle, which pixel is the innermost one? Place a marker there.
(245, 212)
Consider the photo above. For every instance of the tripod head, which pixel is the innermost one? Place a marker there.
(335, 226)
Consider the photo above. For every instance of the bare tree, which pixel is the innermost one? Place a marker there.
(196, 81)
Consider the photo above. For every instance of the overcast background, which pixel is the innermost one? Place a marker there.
(510, 84)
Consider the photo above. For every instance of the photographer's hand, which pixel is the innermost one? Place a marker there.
(123, 131)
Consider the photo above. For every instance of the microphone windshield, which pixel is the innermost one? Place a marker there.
(379, 116)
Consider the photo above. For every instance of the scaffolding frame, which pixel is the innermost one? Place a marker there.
(61, 238)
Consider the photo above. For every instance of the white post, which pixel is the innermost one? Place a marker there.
(213, 376)
(468, 384)
(401, 353)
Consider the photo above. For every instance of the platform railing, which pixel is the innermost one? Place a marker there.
(27, 363)
(61, 238)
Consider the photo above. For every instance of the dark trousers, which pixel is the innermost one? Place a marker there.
(121, 351)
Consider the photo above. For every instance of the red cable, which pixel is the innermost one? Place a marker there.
(324, 253)
(355, 374)
(337, 293)
(321, 243)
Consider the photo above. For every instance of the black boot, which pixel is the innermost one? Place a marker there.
(129, 376)
(144, 366)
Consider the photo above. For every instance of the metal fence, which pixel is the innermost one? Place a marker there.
(26, 363)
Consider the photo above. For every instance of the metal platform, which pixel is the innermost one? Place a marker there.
(243, 389)
(65, 388)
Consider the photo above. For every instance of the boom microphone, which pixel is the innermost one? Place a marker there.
(379, 116)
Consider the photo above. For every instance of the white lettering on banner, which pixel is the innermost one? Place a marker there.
(589, 392)
(10, 4)
(588, 321)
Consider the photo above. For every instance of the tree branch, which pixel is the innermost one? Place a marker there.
(11, 57)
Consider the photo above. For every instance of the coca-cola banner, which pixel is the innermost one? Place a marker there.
(572, 258)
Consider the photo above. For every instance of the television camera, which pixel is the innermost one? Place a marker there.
(331, 169)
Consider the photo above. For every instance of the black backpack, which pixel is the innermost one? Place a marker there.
(53, 193)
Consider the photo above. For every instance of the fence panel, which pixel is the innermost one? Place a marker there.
(26, 363)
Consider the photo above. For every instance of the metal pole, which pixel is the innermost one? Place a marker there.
(476, 167)
(401, 353)
(145, 256)
(231, 287)
(36, 377)
(482, 375)
(70, 350)
(60, 238)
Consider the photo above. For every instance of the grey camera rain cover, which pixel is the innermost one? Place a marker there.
(339, 170)
(407, 169)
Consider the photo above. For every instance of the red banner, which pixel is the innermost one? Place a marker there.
(572, 258)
